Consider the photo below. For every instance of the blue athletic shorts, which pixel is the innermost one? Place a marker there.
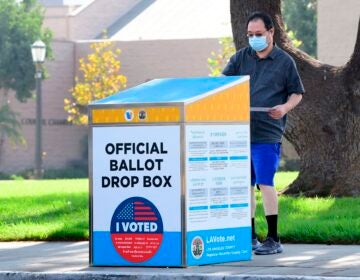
(265, 159)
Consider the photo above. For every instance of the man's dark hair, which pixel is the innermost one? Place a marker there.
(266, 18)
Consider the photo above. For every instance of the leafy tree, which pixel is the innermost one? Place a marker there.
(100, 78)
(300, 17)
(218, 60)
(9, 125)
(20, 26)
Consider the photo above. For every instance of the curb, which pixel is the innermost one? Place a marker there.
(18, 275)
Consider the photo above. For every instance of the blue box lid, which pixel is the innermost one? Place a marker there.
(169, 90)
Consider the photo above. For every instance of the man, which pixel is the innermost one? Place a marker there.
(275, 89)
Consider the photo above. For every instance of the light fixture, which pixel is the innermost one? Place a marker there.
(38, 51)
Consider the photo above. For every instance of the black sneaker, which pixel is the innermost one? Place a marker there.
(270, 246)
(255, 244)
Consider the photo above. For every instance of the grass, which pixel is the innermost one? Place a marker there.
(44, 210)
(58, 210)
(327, 220)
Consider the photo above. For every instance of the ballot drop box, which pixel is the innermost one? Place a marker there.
(170, 174)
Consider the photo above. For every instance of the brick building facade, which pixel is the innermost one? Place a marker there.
(157, 51)
(75, 28)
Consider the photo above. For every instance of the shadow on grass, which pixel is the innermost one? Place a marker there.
(47, 217)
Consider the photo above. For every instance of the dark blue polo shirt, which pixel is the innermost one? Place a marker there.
(272, 80)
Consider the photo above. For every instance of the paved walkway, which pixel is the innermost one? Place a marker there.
(69, 260)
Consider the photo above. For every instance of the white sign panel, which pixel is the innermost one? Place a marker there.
(217, 176)
(217, 193)
(136, 195)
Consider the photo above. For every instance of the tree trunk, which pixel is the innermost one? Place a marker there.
(325, 127)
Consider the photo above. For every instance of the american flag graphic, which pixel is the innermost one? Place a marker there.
(137, 211)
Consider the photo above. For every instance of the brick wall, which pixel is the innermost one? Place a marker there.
(141, 61)
(145, 60)
(61, 142)
(83, 23)
(87, 24)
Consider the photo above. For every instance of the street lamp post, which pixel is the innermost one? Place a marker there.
(38, 51)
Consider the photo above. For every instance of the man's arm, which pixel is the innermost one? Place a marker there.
(231, 66)
(277, 112)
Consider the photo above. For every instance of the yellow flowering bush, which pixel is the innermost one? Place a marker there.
(100, 77)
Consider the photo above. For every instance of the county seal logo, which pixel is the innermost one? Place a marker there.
(197, 247)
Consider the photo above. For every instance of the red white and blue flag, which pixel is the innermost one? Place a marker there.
(137, 211)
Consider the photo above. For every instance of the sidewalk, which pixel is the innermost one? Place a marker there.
(69, 260)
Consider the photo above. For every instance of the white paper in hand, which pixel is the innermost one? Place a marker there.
(260, 109)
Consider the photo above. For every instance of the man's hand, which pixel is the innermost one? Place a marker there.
(277, 112)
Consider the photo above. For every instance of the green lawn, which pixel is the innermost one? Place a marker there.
(44, 210)
(58, 210)
(313, 220)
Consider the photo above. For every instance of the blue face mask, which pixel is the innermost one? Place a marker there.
(258, 43)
